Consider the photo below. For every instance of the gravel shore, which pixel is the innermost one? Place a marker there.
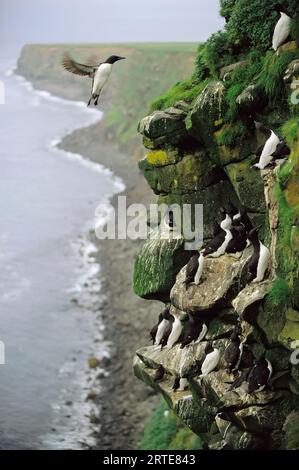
(125, 402)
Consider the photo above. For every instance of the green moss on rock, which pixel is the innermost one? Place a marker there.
(243, 179)
(189, 173)
(156, 267)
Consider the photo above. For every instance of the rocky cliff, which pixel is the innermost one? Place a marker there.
(201, 143)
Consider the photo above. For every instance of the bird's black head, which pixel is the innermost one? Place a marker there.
(280, 8)
(254, 234)
(231, 210)
(234, 337)
(160, 317)
(209, 348)
(166, 314)
(113, 58)
(222, 212)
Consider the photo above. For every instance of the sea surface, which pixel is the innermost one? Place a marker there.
(50, 290)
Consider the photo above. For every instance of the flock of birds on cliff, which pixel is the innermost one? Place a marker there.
(231, 236)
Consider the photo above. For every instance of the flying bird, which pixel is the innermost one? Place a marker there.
(99, 73)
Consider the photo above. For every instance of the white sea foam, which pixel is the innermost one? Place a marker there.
(73, 428)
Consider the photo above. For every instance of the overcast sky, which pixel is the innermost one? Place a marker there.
(27, 21)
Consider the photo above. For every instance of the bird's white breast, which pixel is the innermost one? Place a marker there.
(210, 362)
(175, 332)
(161, 330)
(281, 31)
(101, 77)
(222, 248)
(269, 148)
(199, 269)
(202, 334)
(263, 262)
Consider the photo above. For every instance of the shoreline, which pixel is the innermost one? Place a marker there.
(126, 318)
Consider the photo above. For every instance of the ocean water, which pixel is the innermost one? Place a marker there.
(50, 293)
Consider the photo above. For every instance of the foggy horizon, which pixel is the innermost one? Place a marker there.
(74, 21)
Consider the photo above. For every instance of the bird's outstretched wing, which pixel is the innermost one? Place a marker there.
(79, 69)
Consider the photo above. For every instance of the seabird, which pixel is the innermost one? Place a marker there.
(211, 360)
(99, 73)
(215, 248)
(167, 332)
(282, 29)
(259, 261)
(153, 332)
(233, 352)
(259, 375)
(176, 331)
(180, 384)
(266, 151)
(239, 216)
(194, 331)
(163, 325)
(239, 241)
(160, 372)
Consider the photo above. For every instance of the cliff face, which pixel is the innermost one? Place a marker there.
(200, 151)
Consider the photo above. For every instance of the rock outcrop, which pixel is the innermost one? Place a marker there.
(189, 163)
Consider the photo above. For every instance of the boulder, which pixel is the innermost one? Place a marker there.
(215, 388)
(156, 267)
(221, 280)
(292, 72)
(198, 417)
(188, 173)
(163, 127)
(176, 361)
(243, 179)
(250, 294)
(206, 116)
(251, 100)
(228, 69)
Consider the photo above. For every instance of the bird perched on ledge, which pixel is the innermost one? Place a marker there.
(260, 259)
(213, 249)
(282, 29)
(99, 73)
(273, 150)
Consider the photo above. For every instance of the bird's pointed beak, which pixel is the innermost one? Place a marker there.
(121, 58)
